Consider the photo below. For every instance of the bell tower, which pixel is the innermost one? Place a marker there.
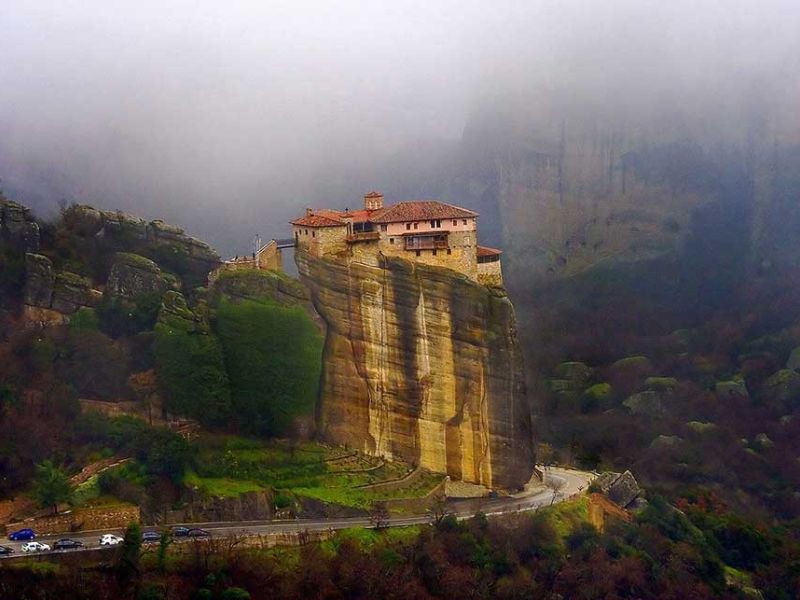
(373, 201)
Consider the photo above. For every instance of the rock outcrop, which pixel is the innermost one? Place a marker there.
(421, 363)
(50, 296)
(621, 488)
(132, 275)
(244, 507)
(163, 241)
(18, 228)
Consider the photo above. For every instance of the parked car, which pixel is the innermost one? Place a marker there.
(22, 534)
(109, 539)
(35, 547)
(151, 536)
(195, 533)
(179, 531)
(5, 550)
(67, 544)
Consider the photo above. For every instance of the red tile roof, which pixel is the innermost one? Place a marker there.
(316, 220)
(420, 210)
(486, 251)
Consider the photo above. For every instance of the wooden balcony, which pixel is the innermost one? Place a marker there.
(366, 236)
(427, 242)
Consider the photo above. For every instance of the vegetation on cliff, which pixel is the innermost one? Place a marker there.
(273, 356)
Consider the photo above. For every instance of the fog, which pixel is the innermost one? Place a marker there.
(227, 118)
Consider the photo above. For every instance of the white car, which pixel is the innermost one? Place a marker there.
(35, 547)
(109, 539)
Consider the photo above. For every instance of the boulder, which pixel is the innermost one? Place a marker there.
(783, 388)
(621, 488)
(661, 384)
(666, 441)
(628, 374)
(793, 363)
(18, 228)
(731, 389)
(72, 291)
(84, 220)
(39, 281)
(574, 371)
(700, 427)
(763, 441)
(598, 395)
(645, 404)
(121, 225)
(132, 275)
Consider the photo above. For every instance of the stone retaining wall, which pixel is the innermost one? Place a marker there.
(101, 517)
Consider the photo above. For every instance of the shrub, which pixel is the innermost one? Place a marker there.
(191, 373)
(273, 355)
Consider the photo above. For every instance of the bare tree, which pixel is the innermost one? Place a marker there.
(556, 484)
(439, 510)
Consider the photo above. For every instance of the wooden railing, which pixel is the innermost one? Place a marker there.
(366, 236)
(425, 243)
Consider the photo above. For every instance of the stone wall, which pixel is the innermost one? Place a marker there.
(490, 273)
(423, 365)
(462, 256)
(81, 519)
(321, 241)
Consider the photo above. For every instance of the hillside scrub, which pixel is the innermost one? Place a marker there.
(191, 373)
(273, 356)
(555, 551)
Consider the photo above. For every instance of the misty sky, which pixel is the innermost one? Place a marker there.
(225, 117)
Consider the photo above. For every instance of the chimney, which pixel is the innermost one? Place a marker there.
(373, 200)
(309, 212)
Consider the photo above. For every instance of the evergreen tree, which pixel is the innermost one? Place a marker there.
(51, 486)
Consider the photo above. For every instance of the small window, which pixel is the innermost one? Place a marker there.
(433, 223)
(417, 252)
(313, 233)
(416, 225)
(408, 226)
(455, 222)
(306, 231)
(434, 251)
(391, 240)
(438, 222)
(384, 227)
(465, 221)
(449, 252)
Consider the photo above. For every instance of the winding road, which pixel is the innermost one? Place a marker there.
(569, 483)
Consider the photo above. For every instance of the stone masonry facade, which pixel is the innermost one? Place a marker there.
(427, 231)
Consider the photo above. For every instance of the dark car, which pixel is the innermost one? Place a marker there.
(151, 536)
(67, 544)
(22, 534)
(5, 550)
(179, 531)
(195, 533)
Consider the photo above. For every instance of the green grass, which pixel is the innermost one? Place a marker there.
(220, 487)
(566, 516)
(227, 465)
(86, 491)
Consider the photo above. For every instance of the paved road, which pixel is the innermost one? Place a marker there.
(573, 482)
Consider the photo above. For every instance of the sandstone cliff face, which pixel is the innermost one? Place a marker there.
(422, 364)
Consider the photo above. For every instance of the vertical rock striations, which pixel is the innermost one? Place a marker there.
(422, 364)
